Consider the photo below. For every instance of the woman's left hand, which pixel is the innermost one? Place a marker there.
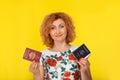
(85, 69)
(84, 65)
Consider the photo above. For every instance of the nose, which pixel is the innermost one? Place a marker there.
(57, 31)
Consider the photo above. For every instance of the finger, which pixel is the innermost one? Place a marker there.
(36, 66)
(80, 59)
(31, 66)
(81, 64)
(85, 61)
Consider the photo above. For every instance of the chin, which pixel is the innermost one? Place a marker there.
(59, 40)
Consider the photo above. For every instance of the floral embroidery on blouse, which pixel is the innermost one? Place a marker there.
(60, 66)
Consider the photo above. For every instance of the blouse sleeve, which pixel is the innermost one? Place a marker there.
(42, 59)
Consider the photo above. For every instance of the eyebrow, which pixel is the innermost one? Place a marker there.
(62, 24)
(59, 24)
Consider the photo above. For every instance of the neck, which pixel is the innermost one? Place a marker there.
(60, 46)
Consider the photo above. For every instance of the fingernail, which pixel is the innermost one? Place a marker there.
(36, 61)
(80, 59)
(33, 60)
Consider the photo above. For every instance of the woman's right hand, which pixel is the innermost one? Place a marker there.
(37, 70)
(34, 68)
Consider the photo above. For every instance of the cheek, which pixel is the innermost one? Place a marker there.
(65, 31)
(51, 33)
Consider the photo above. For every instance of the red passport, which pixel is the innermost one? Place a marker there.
(32, 55)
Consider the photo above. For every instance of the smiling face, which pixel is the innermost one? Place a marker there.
(57, 21)
(58, 31)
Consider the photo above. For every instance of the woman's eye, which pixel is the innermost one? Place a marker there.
(62, 26)
(52, 27)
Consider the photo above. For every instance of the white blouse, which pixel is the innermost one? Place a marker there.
(60, 65)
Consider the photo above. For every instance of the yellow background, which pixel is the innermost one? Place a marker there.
(97, 25)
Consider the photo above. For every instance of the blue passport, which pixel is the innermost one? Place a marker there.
(81, 52)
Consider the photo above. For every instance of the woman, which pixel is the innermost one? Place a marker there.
(57, 61)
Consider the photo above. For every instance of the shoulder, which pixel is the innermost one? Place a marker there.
(45, 52)
(43, 56)
(73, 48)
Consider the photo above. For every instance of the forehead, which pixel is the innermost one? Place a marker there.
(58, 21)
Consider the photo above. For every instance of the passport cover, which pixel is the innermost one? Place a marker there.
(81, 52)
(32, 55)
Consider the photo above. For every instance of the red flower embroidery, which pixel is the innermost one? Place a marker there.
(71, 57)
(51, 62)
(67, 73)
(59, 58)
(76, 75)
(66, 79)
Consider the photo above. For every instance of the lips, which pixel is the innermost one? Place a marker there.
(58, 35)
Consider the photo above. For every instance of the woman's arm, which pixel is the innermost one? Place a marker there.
(85, 69)
(37, 70)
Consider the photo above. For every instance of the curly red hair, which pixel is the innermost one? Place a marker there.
(47, 22)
